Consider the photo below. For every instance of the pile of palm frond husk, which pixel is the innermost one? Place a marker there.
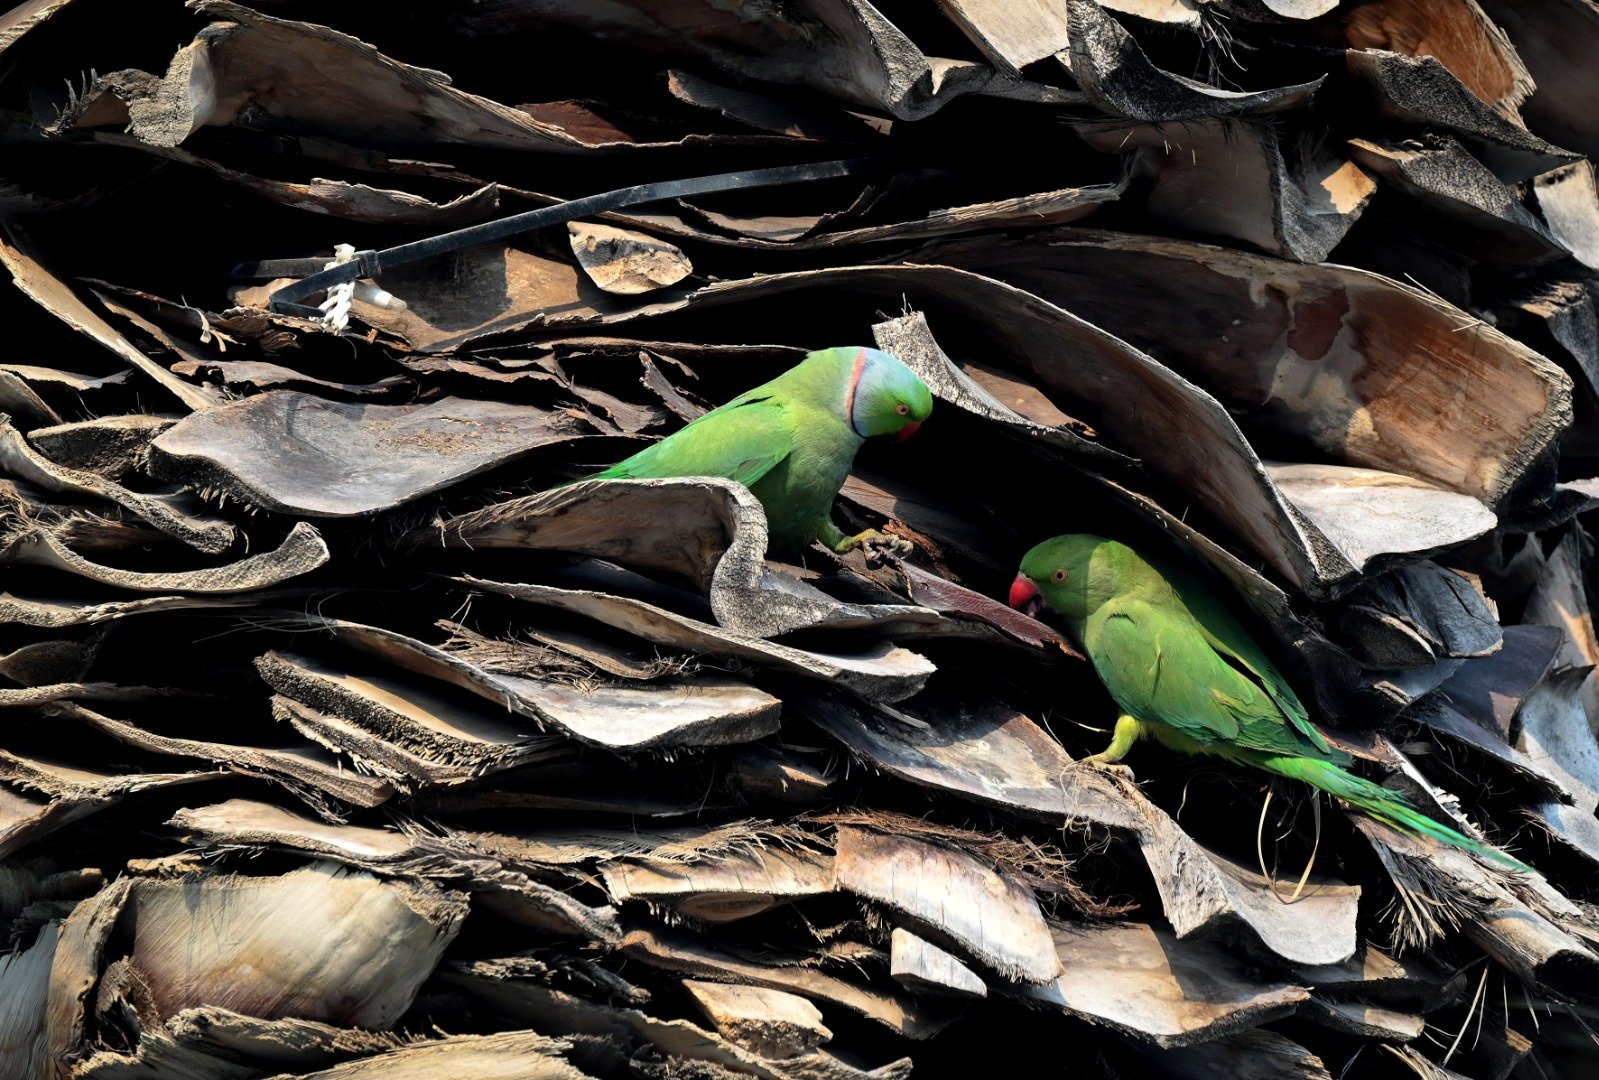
(339, 739)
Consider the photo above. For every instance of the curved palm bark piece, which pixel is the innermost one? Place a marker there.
(1442, 718)
(219, 1044)
(391, 753)
(57, 612)
(296, 767)
(244, 824)
(302, 551)
(247, 375)
(771, 1023)
(16, 23)
(952, 899)
(884, 672)
(1417, 614)
(296, 453)
(676, 952)
(1489, 690)
(108, 446)
(247, 60)
(1119, 78)
(75, 968)
(1420, 90)
(1555, 734)
(1372, 974)
(968, 614)
(327, 943)
(723, 887)
(39, 795)
(1453, 194)
(910, 339)
(1057, 207)
(1457, 33)
(208, 534)
(1418, 518)
(708, 530)
(923, 968)
(1569, 202)
(19, 399)
(1141, 982)
(1560, 599)
(509, 988)
(827, 232)
(1287, 194)
(333, 198)
(463, 739)
(694, 711)
(1301, 350)
(1011, 34)
(769, 112)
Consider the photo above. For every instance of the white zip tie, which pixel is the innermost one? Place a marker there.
(336, 306)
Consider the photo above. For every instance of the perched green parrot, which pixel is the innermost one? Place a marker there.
(1182, 669)
(792, 441)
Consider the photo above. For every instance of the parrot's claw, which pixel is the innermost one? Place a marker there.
(878, 546)
(888, 547)
(1097, 762)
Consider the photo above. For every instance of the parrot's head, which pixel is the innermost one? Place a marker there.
(1054, 574)
(883, 396)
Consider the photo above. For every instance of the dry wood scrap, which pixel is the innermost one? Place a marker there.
(348, 730)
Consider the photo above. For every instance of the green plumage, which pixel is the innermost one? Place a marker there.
(1183, 670)
(792, 441)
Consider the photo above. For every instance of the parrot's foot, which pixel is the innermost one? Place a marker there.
(1127, 732)
(876, 545)
(1099, 761)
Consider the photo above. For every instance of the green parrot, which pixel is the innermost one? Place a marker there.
(792, 441)
(1182, 669)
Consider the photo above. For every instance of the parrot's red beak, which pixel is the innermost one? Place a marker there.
(1025, 597)
(907, 431)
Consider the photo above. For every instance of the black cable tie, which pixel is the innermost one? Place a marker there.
(368, 264)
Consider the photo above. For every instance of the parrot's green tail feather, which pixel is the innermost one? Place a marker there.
(1387, 806)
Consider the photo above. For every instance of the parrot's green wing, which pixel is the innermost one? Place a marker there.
(743, 441)
(1160, 666)
(1224, 634)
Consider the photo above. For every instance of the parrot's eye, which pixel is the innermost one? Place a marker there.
(1059, 576)
(902, 409)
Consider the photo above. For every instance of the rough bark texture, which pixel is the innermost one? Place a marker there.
(349, 731)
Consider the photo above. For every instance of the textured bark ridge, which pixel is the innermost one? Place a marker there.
(350, 731)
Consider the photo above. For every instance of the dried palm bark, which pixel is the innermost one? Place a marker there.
(349, 732)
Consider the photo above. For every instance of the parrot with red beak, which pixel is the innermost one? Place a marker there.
(793, 440)
(1183, 670)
